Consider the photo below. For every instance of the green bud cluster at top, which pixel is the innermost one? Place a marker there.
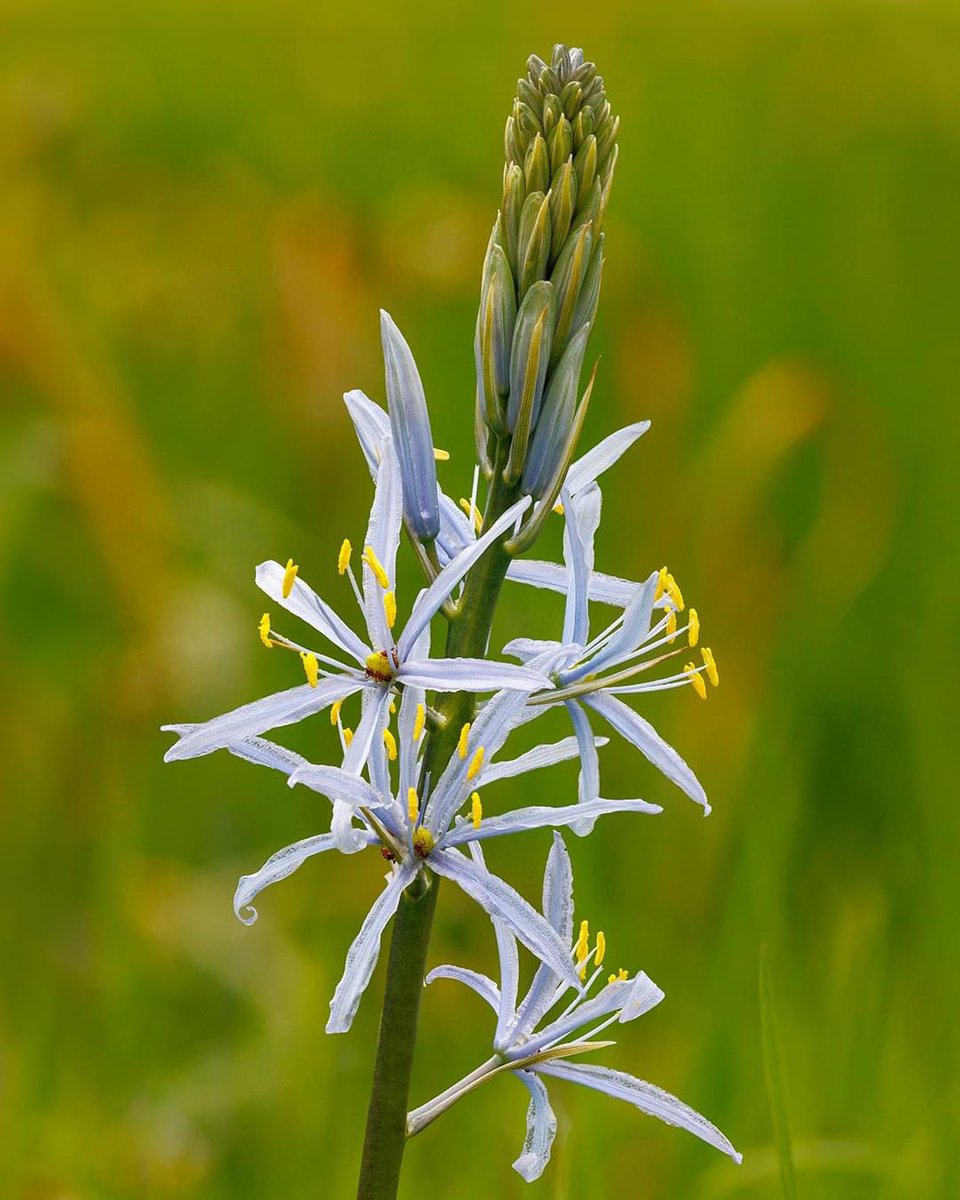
(541, 275)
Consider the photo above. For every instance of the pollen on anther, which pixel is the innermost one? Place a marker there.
(347, 736)
(390, 608)
(601, 949)
(413, 804)
(582, 948)
(391, 744)
(694, 628)
(673, 591)
(441, 455)
(711, 664)
(476, 810)
(264, 630)
(419, 721)
(310, 666)
(696, 679)
(462, 741)
(335, 711)
(289, 575)
(376, 566)
(671, 624)
(661, 584)
(476, 763)
(343, 558)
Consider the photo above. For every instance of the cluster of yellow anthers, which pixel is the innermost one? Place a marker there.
(583, 954)
(667, 585)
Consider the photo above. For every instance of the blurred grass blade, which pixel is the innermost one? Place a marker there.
(776, 1082)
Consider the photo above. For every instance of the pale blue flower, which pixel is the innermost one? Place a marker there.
(382, 662)
(457, 530)
(417, 836)
(595, 672)
(530, 1043)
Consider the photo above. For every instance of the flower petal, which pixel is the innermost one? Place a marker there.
(483, 985)
(304, 603)
(410, 423)
(588, 784)
(541, 1129)
(271, 712)
(469, 675)
(536, 817)
(602, 456)
(643, 735)
(509, 967)
(540, 756)
(363, 954)
(604, 589)
(498, 899)
(430, 599)
(620, 994)
(645, 1096)
(581, 518)
(557, 907)
(278, 866)
(372, 425)
(337, 784)
(383, 537)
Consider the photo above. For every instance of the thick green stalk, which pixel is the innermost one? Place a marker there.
(467, 636)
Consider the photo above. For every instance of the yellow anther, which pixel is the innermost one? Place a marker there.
(347, 736)
(476, 810)
(473, 513)
(582, 948)
(558, 509)
(611, 979)
(310, 666)
(390, 608)
(422, 842)
(264, 628)
(661, 587)
(379, 666)
(673, 591)
(601, 949)
(583, 971)
(696, 679)
(475, 763)
(376, 566)
(335, 711)
(671, 624)
(623, 973)
(393, 708)
(413, 804)
(419, 721)
(694, 631)
(711, 664)
(462, 743)
(343, 558)
(391, 744)
(441, 455)
(289, 575)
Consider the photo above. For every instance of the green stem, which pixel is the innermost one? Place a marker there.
(467, 636)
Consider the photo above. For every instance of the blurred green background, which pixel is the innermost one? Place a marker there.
(203, 206)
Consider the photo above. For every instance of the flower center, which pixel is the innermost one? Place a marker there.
(422, 842)
(380, 665)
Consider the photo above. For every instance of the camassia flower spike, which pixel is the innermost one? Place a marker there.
(530, 1043)
(383, 663)
(596, 671)
(428, 837)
